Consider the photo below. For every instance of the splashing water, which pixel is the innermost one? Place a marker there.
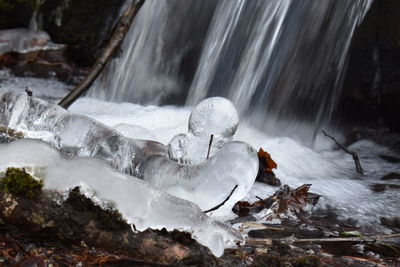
(280, 60)
(331, 172)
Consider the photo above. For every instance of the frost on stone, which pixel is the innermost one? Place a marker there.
(214, 116)
(74, 134)
(209, 183)
(139, 202)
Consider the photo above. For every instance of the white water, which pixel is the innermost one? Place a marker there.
(280, 60)
(331, 172)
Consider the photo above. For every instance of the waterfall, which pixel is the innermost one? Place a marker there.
(281, 62)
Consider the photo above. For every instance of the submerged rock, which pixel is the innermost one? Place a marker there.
(391, 176)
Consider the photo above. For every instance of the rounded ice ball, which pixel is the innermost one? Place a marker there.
(214, 116)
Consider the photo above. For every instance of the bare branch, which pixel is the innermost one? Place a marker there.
(116, 40)
(352, 153)
(258, 242)
(209, 145)
(223, 202)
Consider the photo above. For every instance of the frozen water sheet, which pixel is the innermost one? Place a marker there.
(139, 202)
(209, 183)
(73, 133)
(189, 173)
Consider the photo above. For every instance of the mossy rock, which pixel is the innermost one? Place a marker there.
(19, 182)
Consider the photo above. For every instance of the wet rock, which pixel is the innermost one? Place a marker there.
(390, 159)
(85, 26)
(383, 187)
(281, 254)
(47, 63)
(78, 220)
(371, 92)
(391, 176)
(392, 223)
(268, 178)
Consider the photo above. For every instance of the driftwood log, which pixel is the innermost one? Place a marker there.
(116, 40)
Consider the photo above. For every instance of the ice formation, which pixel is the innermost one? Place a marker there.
(214, 116)
(209, 183)
(139, 202)
(189, 174)
(74, 134)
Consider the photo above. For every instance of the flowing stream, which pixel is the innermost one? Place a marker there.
(280, 61)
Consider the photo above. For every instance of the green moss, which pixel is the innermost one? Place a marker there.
(19, 182)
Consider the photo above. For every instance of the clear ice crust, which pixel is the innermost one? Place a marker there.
(209, 183)
(74, 134)
(139, 202)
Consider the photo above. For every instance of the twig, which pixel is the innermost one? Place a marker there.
(117, 38)
(353, 153)
(209, 145)
(223, 202)
(268, 242)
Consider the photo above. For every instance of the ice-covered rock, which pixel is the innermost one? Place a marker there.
(214, 116)
(74, 134)
(22, 40)
(209, 183)
(139, 202)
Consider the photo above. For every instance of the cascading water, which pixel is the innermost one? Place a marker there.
(155, 51)
(278, 59)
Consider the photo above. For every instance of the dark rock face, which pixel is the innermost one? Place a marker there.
(85, 26)
(372, 85)
(15, 13)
